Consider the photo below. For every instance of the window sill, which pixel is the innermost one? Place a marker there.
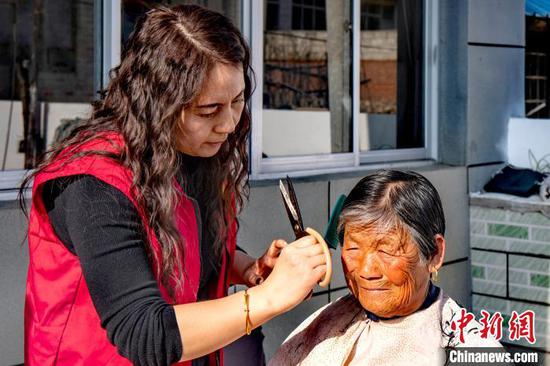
(257, 180)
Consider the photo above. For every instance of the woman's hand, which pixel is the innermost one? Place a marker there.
(209, 325)
(298, 268)
(260, 269)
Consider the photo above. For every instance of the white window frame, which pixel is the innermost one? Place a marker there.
(107, 14)
(112, 37)
(269, 168)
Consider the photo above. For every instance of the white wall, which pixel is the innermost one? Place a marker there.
(528, 135)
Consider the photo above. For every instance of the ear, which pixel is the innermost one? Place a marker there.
(437, 260)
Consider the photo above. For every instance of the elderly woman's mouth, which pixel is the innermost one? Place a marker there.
(374, 289)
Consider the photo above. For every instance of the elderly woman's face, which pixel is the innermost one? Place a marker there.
(384, 270)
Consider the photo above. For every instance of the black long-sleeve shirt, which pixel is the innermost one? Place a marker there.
(100, 225)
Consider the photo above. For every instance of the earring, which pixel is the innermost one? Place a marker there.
(434, 276)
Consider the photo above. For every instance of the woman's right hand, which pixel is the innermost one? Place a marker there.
(209, 325)
(300, 266)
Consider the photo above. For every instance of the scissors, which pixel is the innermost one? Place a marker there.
(292, 209)
(295, 216)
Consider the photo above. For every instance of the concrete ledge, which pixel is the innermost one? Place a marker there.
(509, 202)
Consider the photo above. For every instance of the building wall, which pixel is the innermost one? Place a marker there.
(481, 69)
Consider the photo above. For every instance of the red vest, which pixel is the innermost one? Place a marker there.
(62, 326)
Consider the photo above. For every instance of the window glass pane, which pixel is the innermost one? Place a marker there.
(391, 115)
(373, 9)
(273, 20)
(373, 23)
(320, 20)
(308, 19)
(307, 79)
(46, 75)
(537, 66)
(388, 12)
(133, 9)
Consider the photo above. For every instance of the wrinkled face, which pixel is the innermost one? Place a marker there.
(384, 270)
(206, 124)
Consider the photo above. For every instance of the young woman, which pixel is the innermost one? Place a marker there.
(133, 222)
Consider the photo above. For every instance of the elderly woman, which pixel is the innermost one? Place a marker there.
(392, 231)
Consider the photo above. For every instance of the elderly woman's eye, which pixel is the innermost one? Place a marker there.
(386, 252)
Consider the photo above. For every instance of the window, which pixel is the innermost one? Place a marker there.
(391, 75)
(308, 15)
(133, 9)
(358, 87)
(537, 66)
(307, 68)
(378, 15)
(46, 75)
(339, 82)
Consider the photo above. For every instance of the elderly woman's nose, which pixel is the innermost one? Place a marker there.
(370, 267)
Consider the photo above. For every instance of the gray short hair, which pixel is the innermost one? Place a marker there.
(391, 198)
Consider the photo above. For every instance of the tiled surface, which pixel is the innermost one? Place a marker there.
(508, 230)
(540, 280)
(542, 321)
(478, 241)
(527, 247)
(478, 271)
(488, 214)
(535, 265)
(540, 234)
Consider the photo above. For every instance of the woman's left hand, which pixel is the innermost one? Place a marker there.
(261, 268)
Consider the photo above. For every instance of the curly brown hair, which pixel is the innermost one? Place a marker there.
(163, 67)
